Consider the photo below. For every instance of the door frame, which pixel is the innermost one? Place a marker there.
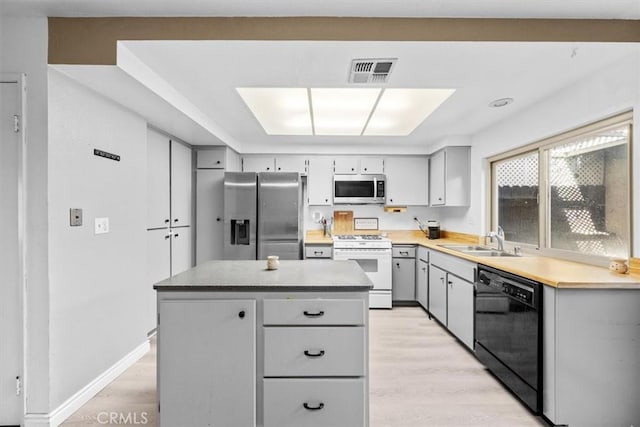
(20, 80)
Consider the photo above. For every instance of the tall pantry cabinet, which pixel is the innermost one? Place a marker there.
(169, 211)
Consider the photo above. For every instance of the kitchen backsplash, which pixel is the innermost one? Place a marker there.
(386, 220)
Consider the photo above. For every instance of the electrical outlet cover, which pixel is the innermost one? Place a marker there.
(101, 225)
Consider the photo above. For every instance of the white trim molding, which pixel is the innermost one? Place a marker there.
(72, 404)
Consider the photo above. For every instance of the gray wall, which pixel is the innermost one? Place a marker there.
(23, 49)
(97, 282)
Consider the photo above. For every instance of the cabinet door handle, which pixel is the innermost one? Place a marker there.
(365, 169)
(175, 220)
(268, 168)
(316, 314)
(313, 408)
(166, 221)
(424, 269)
(391, 200)
(176, 235)
(167, 236)
(279, 168)
(398, 264)
(318, 354)
(442, 279)
(218, 162)
(241, 314)
(404, 253)
(218, 219)
(318, 252)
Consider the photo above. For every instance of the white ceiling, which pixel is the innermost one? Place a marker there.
(198, 78)
(601, 9)
(188, 87)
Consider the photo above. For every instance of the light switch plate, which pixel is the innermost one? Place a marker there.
(75, 217)
(101, 225)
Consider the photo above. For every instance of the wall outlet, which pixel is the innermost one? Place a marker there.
(101, 225)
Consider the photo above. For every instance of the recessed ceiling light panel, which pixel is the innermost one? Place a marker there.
(342, 111)
(400, 111)
(280, 111)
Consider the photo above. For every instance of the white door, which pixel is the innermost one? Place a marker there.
(207, 363)
(437, 170)
(209, 215)
(460, 309)
(157, 180)
(422, 282)
(438, 294)
(320, 182)
(11, 286)
(181, 185)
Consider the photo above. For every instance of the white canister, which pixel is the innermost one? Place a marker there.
(618, 265)
(273, 262)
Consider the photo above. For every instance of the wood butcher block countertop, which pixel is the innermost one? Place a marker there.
(550, 271)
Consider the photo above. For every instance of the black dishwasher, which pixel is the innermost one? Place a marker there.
(508, 332)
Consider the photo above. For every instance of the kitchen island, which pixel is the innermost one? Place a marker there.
(240, 345)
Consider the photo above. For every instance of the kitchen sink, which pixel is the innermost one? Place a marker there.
(480, 251)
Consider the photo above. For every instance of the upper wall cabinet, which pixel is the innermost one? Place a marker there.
(291, 164)
(320, 181)
(407, 180)
(277, 164)
(158, 199)
(449, 177)
(258, 164)
(359, 165)
(211, 159)
(181, 185)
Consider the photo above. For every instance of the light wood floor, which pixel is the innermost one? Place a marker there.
(419, 376)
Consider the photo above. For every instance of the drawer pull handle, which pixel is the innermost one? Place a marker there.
(318, 354)
(318, 314)
(404, 253)
(318, 252)
(313, 408)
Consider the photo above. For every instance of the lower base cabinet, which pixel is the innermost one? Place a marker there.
(335, 402)
(460, 309)
(207, 363)
(422, 283)
(438, 293)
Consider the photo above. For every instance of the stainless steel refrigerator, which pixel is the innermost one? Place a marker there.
(262, 215)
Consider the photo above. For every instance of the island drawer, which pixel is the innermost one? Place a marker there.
(314, 312)
(314, 351)
(318, 251)
(314, 402)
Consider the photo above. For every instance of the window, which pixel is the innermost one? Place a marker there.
(569, 194)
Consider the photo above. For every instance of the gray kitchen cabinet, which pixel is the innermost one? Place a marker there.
(449, 177)
(158, 268)
(318, 251)
(320, 181)
(403, 278)
(291, 164)
(181, 185)
(451, 287)
(181, 249)
(358, 165)
(214, 158)
(258, 164)
(209, 214)
(407, 180)
(158, 176)
(460, 314)
(422, 283)
(207, 350)
(438, 293)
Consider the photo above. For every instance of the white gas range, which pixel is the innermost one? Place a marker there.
(373, 253)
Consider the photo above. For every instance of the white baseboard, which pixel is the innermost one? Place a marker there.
(72, 404)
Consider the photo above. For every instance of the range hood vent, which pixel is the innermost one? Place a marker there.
(371, 70)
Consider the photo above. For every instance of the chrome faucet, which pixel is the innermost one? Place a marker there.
(499, 235)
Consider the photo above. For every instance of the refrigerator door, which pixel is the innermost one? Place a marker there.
(279, 215)
(240, 219)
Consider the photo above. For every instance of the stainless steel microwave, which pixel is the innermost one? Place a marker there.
(358, 189)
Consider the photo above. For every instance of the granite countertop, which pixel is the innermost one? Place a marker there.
(549, 271)
(309, 275)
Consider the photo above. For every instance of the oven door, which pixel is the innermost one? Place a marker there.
(375, 262)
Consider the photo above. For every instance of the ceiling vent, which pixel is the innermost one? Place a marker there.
(371, 70)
